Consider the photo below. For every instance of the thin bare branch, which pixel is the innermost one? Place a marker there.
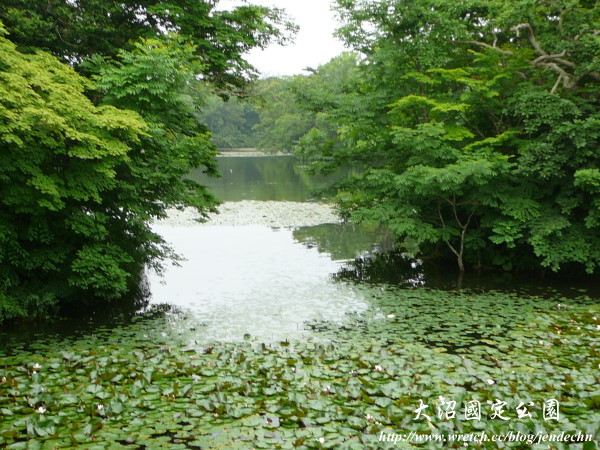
(446, 240)
(456, 213)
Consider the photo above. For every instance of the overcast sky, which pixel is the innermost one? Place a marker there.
(314, 44)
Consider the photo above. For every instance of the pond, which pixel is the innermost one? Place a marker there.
(261, 178)
(307, 337)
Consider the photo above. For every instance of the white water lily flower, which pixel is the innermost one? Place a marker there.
(598, 327)
(391, 316)
(378, 369)
(37, 366)
(369, 417)
(100, 407)
(41, 410)
(33, 373)
(327, 389)
(4, 379)
(321, 440)
(490, 382)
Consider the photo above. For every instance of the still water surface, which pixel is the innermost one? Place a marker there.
(259, 282)
(252, 280)
(261, 178)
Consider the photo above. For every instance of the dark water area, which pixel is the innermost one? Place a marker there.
(393, 267)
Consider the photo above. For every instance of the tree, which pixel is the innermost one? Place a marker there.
(90, 160)
(231, 122)
(60, 158)
(477, 125)
(77, 30)
(293, 109)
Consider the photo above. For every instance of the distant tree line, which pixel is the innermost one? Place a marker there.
(275, 113)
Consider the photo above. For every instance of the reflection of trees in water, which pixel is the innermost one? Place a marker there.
(392, 267)
(86, 317)
(258, 178)
(268, 178)
(346, 241)
(396, 268)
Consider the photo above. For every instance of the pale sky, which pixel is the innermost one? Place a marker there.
(314, 44)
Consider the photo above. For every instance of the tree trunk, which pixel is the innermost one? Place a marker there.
(461, 265)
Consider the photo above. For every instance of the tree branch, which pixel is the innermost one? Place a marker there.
(534, 42)
(444, 227)
(555, 87)
(552, 61)
(456, 214)
(488, 46)
(558, 57)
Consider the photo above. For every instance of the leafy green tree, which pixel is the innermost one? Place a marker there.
(77, 30)
(158, 79)
(293, 109)
(282, 121)
(477, 123)
(91, 160)
(61, 157)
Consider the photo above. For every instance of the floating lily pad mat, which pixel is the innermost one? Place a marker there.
(147, 385)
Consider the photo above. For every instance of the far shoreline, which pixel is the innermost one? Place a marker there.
(240, 152)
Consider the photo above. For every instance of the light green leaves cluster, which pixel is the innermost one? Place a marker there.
(60, 157)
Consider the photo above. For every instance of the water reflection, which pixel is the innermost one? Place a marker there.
(261, 178)
(87, 317)
(251, 280)
(397, 269)
(346, 241)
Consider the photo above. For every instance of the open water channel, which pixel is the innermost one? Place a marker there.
(254, 281)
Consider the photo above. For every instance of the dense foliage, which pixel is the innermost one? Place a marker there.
(94, 150)
(278, 112)
(477, 125)
(77, 30)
